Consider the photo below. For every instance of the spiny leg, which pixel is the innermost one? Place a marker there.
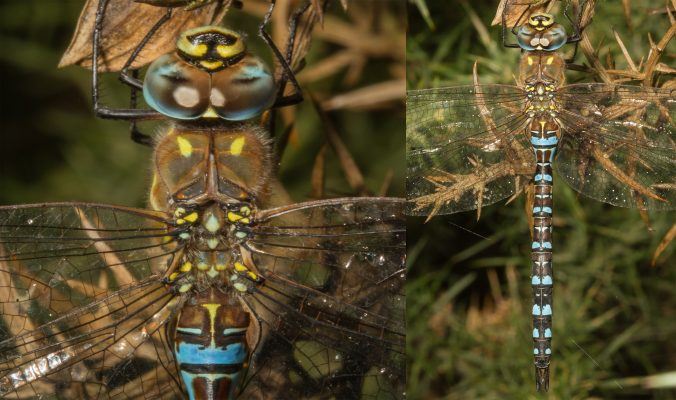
(106, 112)
(287, 74)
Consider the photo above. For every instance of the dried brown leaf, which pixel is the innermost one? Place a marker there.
(124, 26)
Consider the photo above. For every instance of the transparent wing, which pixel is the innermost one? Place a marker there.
(82, 303)
(332, 302)
(618, 144)
(466, 147)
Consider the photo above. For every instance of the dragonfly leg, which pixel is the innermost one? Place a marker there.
(287, 73)
(99, 110)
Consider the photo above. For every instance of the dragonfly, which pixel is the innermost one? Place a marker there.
(214, 291)
(472, 146)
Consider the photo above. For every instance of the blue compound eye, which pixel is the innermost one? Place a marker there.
(243, 90)
(176, 89)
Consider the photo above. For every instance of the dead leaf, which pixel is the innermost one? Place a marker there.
(124, 26)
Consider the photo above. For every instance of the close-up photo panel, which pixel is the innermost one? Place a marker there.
(337, 199)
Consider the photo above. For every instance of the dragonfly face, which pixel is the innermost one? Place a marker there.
(541, 33)
(209, 76)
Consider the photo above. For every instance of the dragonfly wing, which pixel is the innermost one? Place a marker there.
(466, 147)
(619, 144)
(111, 347)
(82, 302)
(332, 302)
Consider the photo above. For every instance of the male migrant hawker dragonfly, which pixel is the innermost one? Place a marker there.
(471, 146)
(215, 292)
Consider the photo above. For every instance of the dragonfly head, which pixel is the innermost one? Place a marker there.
(211, 75)
(541, 33)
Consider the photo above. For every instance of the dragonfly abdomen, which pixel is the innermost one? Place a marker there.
(544, 139)
(210, 345)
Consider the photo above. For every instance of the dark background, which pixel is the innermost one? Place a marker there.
(469, 294)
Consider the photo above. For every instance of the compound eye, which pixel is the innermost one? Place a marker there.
(176, 89)
(243, 90)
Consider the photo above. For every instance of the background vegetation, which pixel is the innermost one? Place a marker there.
(469, 294)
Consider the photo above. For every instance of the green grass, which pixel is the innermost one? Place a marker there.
(468, 293)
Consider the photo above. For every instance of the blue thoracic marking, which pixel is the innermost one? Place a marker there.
(536, 309)
(546, 309)
(535, 280)
(189, 353)
(550, 141)
(547, 280)
(548, 333)
(546, 177)
(536, 333)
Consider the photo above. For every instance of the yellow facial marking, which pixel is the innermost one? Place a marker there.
(210, 113)
(230, 51)
(186, 267)
(237, 145)
(211, 64)
(184, 146)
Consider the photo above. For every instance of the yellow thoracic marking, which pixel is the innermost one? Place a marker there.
(184, 288)
(530, 60)
(239, 267)
(173, 276)
(232, 217)
(237, 145)
(252, 275)
(220, 267)
(186, 267)
(202, 266)
(153, 188)
(550, 60)
(244, 221)
(192, 217)
(245, 210)
(211, 64)
(184, 146)
(542, 125)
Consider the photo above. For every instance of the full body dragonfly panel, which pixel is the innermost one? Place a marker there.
(209, 295)
(471, 146)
